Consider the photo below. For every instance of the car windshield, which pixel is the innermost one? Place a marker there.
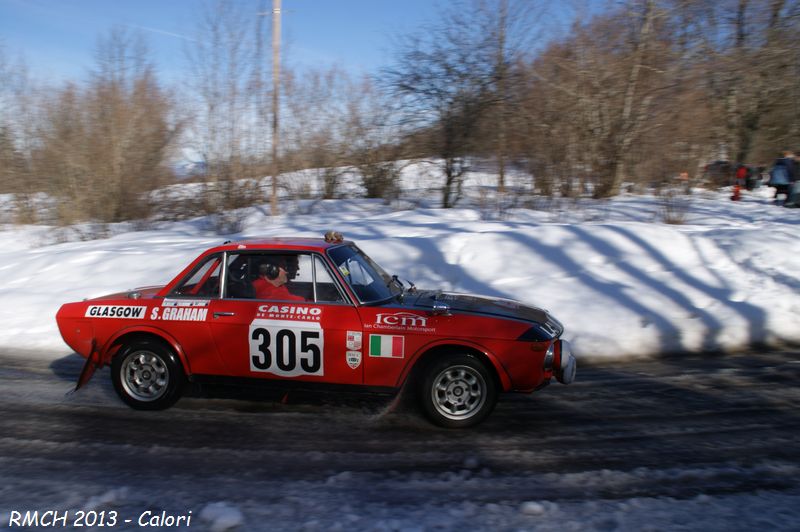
(368, 280)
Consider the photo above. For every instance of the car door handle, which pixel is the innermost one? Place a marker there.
(219, 314)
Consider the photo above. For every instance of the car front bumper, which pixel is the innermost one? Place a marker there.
(567, 364)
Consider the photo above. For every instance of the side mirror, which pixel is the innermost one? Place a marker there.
(440, 309)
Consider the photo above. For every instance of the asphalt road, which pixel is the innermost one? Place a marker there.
(678, 428)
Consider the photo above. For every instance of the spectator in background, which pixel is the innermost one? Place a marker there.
(783, 175)
(794, 188)
(683, 180)
(741, 174)
(740, 177)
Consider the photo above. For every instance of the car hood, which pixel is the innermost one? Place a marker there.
(492, 306)
(146, 292)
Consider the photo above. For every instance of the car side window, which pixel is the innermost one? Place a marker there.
(327, 290)
(239, 277)
(203, 281)
(280, 277)
(269, 276)
(358, 275)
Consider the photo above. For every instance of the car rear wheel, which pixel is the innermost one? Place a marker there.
(147, 375)
(457, 391)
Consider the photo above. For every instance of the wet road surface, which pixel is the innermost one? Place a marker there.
(677, 428)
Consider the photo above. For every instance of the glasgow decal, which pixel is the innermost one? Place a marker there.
(115, 311)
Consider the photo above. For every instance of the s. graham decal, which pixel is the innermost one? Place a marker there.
(179, 314)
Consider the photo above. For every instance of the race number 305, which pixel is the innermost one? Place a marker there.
(286, 348)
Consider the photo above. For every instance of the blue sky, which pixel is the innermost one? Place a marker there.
(57, 38)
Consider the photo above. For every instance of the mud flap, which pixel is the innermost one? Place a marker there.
(88, 370)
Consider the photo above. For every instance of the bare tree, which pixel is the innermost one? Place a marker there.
(444, 76)
(103, 148)
(18, 123)
(333, 123)
(315, 117)
(228, 127)
(604, 86)
(748, 53)
(513, 29)
(461, 80)
(371, 136)
(9, 156)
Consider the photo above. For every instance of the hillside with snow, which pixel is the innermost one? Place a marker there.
(623, 282)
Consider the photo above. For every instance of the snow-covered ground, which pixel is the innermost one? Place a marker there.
(623, 282)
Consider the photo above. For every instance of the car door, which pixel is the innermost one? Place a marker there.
(311, 333)
(185, 315)
(393, 335)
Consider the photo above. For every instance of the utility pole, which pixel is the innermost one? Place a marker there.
(502, 88)
(276, 84)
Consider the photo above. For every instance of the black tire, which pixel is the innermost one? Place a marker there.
(147, 375)
(457, 391)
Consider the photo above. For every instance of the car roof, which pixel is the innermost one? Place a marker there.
(287, 243)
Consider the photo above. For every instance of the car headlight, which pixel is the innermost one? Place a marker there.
(549, 357)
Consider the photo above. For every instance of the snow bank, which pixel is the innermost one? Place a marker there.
(622, 282)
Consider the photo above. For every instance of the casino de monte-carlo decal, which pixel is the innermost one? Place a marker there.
(401, 321)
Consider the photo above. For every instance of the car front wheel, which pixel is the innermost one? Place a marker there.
(457, 391)
(147, 375)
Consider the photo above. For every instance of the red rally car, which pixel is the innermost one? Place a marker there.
(316, 311)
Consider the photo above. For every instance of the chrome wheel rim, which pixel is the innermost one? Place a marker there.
(145, 376)
(458, 392)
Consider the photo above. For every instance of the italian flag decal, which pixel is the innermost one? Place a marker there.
(384, 345)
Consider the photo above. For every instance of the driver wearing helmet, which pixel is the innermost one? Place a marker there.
(271, 282)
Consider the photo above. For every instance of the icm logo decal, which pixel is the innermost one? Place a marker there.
(401, 319)
(115, 311)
